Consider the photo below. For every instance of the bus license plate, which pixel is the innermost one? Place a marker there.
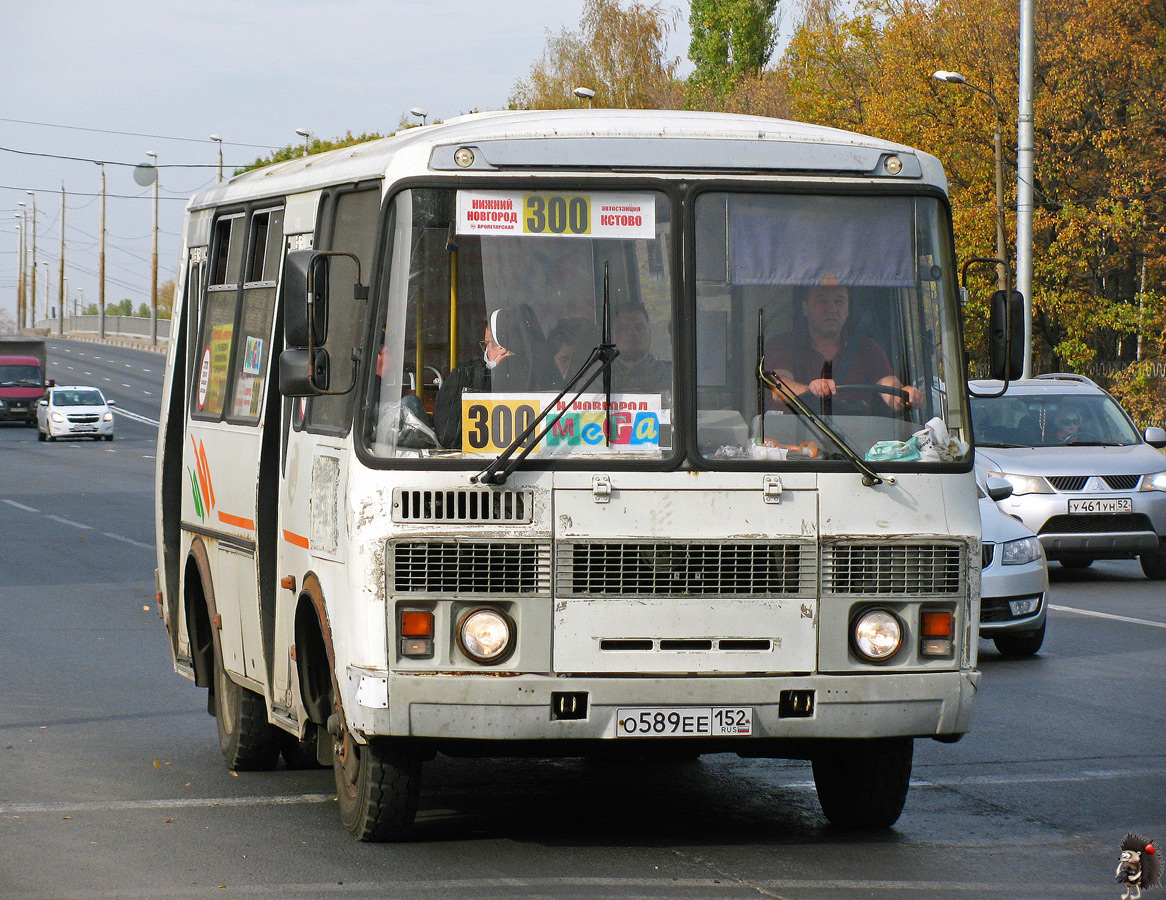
(1083, 505)
(684, 721)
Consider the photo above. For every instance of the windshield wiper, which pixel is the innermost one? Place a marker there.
(499, 470)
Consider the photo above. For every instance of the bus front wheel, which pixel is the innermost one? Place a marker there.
(248, 741)
(377, 785)
(862, 784)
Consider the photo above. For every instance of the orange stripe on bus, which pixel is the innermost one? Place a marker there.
(237, 521)
(210, 485)
(202, 475)
(298, 539)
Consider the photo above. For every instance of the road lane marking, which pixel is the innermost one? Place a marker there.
(137, 417)
(175, 803)
(11, 809)
(126, 540)
(69, 522)
(563, 886)
(1101, 615)
(116, 537)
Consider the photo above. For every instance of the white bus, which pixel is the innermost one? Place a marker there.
(574, 432)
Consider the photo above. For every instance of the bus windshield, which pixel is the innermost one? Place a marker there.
(844, 302)
(496, 299)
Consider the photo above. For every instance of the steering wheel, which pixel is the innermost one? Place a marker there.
(862, 400)
(1080, 437)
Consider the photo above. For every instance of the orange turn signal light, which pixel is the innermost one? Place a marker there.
(936, 623)
(416, 624)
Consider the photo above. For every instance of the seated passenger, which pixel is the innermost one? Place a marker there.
(822, 354)
(513, 359)
(571, 342)
(636, 370)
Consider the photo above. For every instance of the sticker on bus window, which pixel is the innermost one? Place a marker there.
(253, 357)
(491, 422)
(557, 214)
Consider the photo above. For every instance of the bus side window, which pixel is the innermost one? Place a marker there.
(253, 357)
(352, 230)
(213, 360)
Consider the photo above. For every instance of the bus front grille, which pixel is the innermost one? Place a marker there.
(467, 506)
(909, 570)
(686, 569)
(461, 568)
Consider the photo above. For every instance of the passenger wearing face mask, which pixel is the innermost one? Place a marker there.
(514, 359)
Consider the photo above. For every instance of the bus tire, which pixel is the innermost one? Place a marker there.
(862, 784)
(377, 785)
(248, 741)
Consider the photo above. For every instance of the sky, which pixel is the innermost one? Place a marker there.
(111, 81)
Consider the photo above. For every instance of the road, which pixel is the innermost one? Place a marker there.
(112, 786)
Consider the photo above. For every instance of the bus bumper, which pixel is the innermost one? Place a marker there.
(525, 707)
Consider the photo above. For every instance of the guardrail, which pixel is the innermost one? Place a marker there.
(115, 326)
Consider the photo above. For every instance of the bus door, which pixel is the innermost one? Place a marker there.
(315, 462)
(233, 358)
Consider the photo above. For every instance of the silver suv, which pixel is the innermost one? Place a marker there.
(1082, 477)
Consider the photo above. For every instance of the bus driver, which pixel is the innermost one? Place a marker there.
(821, 354)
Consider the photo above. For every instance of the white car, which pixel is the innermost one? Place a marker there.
(1014, 579)
(74, 411)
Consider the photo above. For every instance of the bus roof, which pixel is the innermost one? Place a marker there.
(596, 140)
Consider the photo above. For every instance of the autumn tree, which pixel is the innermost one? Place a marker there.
(732, 41)
(619, 53)
(1100, 180)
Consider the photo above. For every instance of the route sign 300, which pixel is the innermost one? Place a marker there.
(556, 214)
(548, 214)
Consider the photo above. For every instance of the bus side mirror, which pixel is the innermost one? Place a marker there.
(1006, 318)
(303, 373)
(305, 299)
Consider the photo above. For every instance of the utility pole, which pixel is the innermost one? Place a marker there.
(101, 261)
(61, 279)
(32, 291)
(154, 259)
(20, 295)
(1024, 174)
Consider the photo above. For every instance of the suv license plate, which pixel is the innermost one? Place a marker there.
(1083, 505)
(684, 721)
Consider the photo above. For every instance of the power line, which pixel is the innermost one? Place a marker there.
(161, 137)
(11, 187)
(110, 162)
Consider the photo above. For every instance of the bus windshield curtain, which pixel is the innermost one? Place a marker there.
(796, 240)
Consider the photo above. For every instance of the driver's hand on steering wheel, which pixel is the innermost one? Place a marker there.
(914, 398)
(823, 387)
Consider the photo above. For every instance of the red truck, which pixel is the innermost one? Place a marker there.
(22, 377)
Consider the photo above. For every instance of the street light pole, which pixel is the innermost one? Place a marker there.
(307, 136)
(218, 139)
(61, 279)
(154, 259)
(101, 261)
(1001, 245)
(20, 292)
(32, 291)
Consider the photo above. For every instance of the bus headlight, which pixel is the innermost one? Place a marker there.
(878, 635)
(485, 635)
